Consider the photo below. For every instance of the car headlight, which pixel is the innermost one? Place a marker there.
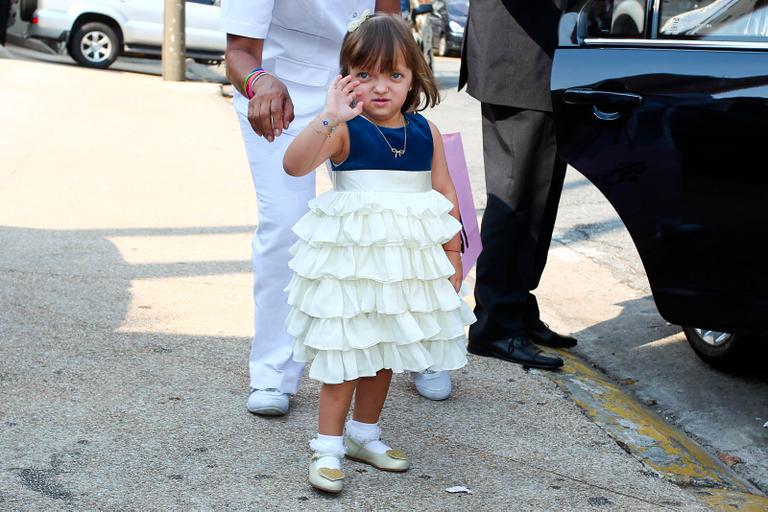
(455, 27)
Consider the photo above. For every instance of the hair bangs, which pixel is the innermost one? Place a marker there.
(380, 50)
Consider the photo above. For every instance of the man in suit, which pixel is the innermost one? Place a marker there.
(506, 64)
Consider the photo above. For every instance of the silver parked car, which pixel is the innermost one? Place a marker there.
(96, 32)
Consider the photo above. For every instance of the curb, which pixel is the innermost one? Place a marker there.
(32, 44)
(658, 445)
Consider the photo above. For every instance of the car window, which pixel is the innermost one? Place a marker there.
(714, 19)
(614, 18)
(458, 8)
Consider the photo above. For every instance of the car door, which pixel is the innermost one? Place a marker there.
(202, 33)
(664, 108)
(143, 24)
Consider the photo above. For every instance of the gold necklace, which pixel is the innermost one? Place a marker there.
(397, 152)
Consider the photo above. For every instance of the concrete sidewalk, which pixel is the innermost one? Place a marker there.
(126, 211)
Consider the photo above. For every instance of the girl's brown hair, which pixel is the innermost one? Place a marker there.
(377, 43)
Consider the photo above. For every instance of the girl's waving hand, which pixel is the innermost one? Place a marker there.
(341, 104)
(326, 136)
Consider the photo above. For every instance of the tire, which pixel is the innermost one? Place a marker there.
(27, 9)
(718, 349)
(94, 45)
(442, 46)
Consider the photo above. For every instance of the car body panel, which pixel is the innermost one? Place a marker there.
(140, 21)
(683, 169)
(446, 21)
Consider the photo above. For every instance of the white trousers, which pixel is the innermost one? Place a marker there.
(282, 200)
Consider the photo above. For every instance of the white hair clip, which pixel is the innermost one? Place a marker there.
(354, 24)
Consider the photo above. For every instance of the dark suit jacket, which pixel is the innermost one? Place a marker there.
(508, 49)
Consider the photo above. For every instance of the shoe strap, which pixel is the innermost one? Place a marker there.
(319, 455)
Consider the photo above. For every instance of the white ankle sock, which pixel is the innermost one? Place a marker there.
(368, 435)
(332, 446)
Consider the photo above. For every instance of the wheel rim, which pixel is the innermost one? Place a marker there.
(443, 46)
(713, 338)
(96, 46)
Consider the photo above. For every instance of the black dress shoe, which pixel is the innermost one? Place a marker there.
(541, 334)
(517, 349)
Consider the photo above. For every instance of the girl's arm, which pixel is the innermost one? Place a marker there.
(441, 181)
(326, 136)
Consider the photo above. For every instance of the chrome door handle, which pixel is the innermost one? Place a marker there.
(603, 98)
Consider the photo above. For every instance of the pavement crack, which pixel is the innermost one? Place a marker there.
(590, 484)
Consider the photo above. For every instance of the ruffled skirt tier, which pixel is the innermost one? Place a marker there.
(370, 288)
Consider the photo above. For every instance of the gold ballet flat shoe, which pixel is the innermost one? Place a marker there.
(325, 479)
(392, 460)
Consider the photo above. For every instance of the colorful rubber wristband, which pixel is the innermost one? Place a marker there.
(254, 77)
(248, 77)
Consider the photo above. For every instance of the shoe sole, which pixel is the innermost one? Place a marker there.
(488, 353)
(554, 345)
(268, 411)
(356, 459)
(327, 491)
(435, 398)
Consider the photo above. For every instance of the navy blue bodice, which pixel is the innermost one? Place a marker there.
(368, 150)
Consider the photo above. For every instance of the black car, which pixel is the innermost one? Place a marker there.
(417, 14)
(448, 19)
(663, 105)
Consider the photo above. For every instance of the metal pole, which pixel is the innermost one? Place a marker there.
(174, 65)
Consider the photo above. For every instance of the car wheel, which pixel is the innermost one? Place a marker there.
(442, 46)
(95, 45)
(719, 349)
(27, 9)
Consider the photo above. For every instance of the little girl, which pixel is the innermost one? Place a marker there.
(377, 265)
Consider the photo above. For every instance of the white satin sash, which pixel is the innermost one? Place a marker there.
(382, 180)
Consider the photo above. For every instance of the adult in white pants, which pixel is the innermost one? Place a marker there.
(297, 43)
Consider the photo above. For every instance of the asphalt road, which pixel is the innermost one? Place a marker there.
(725, 413)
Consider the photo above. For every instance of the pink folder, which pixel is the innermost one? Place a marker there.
(457, 168)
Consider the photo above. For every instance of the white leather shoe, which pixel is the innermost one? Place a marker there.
(433, 385)
(268, 402)
(325, 479)
(392, 460)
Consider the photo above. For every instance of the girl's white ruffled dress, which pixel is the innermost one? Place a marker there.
(370, 288)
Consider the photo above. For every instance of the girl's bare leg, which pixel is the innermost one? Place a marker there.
(370, 395)
(334, 407)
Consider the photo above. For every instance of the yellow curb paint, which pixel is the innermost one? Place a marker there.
(650, 439)
(722, 499)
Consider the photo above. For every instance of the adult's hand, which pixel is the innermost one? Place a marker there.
(270, 110)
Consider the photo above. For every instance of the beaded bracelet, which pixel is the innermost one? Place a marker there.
(327, 124)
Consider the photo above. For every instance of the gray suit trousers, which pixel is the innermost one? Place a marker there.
(524, 179)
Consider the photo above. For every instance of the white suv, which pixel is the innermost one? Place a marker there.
(96, 32)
